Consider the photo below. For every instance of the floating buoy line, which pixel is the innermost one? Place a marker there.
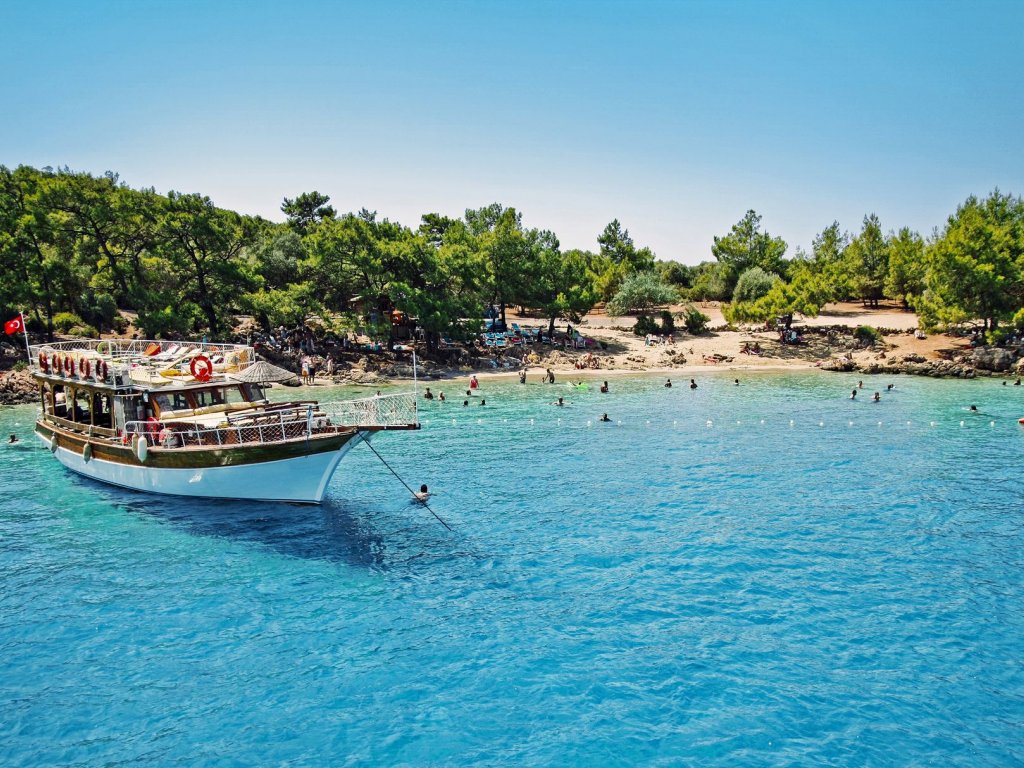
(710, 423)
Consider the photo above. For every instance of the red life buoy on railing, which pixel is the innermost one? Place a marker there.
(85, 368)
(101, 370)
(69, 366)
(43, 364)
(201, 368)
(153, 426)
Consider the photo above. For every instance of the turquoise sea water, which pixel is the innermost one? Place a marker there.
(655, 591)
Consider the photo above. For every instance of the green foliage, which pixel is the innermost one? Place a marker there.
(996, 336)
(753, 284)
(1018, 320)
(905, 278)
(805, 293)
(641, 292)
(975, 266)
(866, 335)
(617, 246)
(65, 321)
(674, 273)
(307, 210)
(748, 246)
(668, 322)
(696, 322)
(709, 282)
(645, 325)
(867, 261)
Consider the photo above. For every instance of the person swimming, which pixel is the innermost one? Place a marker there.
(483, 401)
(465, 403)
(973, 409)
(428, 395)
(877, 397)
(890, 387)
(604, 390)
(423, 494)
(736, 382)
(604, 418)
(693, 384)
(853, 394)
(668, 383)
(12, 439)
(559, 401)
(440, 396)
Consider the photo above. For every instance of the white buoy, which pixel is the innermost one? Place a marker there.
(588, 423)
(675, 423)
(821, 423)
(850, 424)
(933, 423)
(791, 422)
(879, 423)
(738, 422)
(961, 423)
(991, 423)
(531, 421)
(709, 422)
(762, 421)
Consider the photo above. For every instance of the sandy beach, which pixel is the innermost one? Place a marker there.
(622, 352)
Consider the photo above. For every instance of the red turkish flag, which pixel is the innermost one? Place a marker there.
(17, 325)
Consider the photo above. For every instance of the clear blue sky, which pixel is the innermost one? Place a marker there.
(673, 117)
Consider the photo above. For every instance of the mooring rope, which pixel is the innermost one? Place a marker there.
(421, 501)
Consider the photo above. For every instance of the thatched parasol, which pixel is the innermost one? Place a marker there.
(262, 372)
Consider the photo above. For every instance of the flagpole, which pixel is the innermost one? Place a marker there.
(24, 330)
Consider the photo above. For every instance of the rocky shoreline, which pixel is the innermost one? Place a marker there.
(17, 388)
(984, 361)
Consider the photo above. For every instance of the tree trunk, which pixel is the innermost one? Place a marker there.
(551, 328)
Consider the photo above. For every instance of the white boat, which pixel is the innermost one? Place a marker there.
(182, 419)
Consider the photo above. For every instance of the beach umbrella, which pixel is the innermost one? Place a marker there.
(262, 372)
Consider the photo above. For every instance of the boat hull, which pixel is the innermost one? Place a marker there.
(301, 477)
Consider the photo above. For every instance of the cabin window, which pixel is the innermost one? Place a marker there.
(170, 402)
(81, 407)
(208, 397)
(252, 392)
(60, 404)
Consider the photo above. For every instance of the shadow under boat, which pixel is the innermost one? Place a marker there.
(350, 532)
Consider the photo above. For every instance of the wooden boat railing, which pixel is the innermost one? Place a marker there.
(276, 425)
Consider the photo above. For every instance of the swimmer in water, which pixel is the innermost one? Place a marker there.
(736, 382)
(668, 383)
(973, 409)
(559, 401)
(877, 397)
(604, 418)
(423, 494)
(693, 384)
(604, 390)
(853, 394)
(12, 439)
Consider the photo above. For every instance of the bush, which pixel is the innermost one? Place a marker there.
(65, 321)
(997, 337)
(668, 323)
(119, 324)
(753, 284)
(83, 330)
(866, 335)
(19, 366)
(645, 325)
(696, 322)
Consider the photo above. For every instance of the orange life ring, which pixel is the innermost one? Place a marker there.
(69, 366)
(201, 368)
(84, 368)
(43, 363)
(101, 370)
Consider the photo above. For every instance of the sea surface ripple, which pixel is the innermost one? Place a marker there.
(764, 574)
